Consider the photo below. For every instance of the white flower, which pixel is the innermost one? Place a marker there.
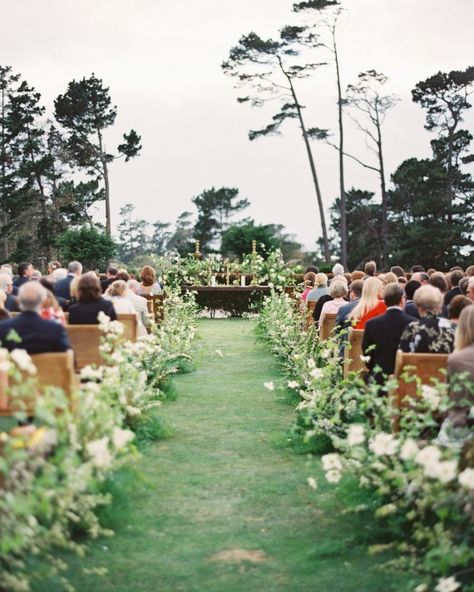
(99, 452)
(421, 588)
(409, 449)
(331, 462)
(326, 353)
(444, 471)
(90, 373)
(219, 353)
(430, 395)
(3, 354)
(22, 359)
(312, 483)
(130, 410)
(466, 478)
(333, 476)
(365, 359)
(292, 384)
(311, 363)
(116, 327)
(121, 438)
(317, 373)
(383, 444)
(428, 456)
(269, 385)
(5, 367)
(447, 585)
(355, 435)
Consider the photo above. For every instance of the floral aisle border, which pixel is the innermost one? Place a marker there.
(421, 487)
(51, 475)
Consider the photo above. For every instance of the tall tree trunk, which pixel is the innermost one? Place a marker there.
(312, 165)
(105, 174)
(3, 156)
(341, 155)
(383, 190)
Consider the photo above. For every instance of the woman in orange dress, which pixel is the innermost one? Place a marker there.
(370, 304)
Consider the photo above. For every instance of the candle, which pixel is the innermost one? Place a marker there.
(213, 281)
(242, 281)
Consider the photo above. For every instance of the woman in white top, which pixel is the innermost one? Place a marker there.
(117, 293)
(338, 292)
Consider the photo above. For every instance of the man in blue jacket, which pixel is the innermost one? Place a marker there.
(62, 288)
(28, 330)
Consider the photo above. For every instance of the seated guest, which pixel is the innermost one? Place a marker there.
(36, 275)
(357, 274)
(90, 302)
(457, 304)
(116, 293)
(312, 268)
(58, 274)
(320, 288)
(410, 288)
(398, 271)
(338, 292)
(309, 282)
(420, 276)
(63, 303)
(463, 284)
(52, 266)
(37, 335)
(148, 286)
(111, 277)
(51, 310)
(25, 271)
(370, 304)
(139, 303)
(6, 284)
(470, 271)
(390, 278)
(438, 280)
(417, 269)
(382, 334)
(355, 292)
(122, 274)
(461, 362)
(431, 333)
(337, 270)
(370, 269)
(62, 288)
(4, 314)
(470, 288)
(402, 280)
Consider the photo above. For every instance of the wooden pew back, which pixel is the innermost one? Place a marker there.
(353, 352)
(308, 319)
(53, 369)
(130, 326)
(85, 341)
(327, 328)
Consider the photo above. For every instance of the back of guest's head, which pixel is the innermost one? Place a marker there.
(310, 279)
(465, 329)
(75, 267)
(23, 268)
(3, 299)
(393, 294)
(31, 296)
(117, 288)
(416, 268)
(148, 275)
(370, 268)
(122, 274)
(357, 274)
(470, 271)
(112, 270)
(53, 265)
(431, 271)
(338, 289)
(463, 285)
(457, 268)
(338, 269)
(46, 284)
(371, 290)
(348, 277)
(36, 275)
(58, 274)
(428, 299)
(439, 281)
(457, 304)
(390, 278)
(456, 277)
(321, 280)
(6, 268)
(402, 280)
(398, 271)
(410, 288)
(420, 276)
(133, 285)
(356, 287)
(5, 281)
(312, 268)
(88, 288)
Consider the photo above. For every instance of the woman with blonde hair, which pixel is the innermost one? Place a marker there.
(4, 314)
(370, 304)
(148, 286)
(116, 292)
(390, 278)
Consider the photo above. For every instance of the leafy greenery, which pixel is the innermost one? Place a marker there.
(90, 245)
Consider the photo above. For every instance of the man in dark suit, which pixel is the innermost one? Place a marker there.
(382, 334)
(355, 292)
(111, 277)
(25, 271)
(62, 288)
(456, 277)
(6, 284)
(28, 330)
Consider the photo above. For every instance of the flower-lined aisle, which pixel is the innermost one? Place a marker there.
(52, 474)
(422, 490)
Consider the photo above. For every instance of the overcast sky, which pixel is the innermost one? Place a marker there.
(161, 60)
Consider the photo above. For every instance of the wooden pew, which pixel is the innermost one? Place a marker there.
(53, 369)
(130, 326)
(328, 325)
(426, 367)
(308, 319)
(85, 341)
(353, 353)
(156, 306)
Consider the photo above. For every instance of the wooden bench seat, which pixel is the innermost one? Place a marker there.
(423, 368)
(353, 352)
(327, 328)
(53, 369)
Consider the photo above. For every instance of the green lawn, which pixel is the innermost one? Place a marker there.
(222, 504)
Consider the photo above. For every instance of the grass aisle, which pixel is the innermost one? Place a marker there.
(223, 503)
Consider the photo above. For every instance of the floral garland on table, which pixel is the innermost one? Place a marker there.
(51, 476)
(422, 490)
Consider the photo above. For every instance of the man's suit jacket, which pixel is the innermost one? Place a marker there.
(383, 334)
(20, 280)
(86, 313)
(11, 303)
(410, 309)
(456, 291)
(37, 335)
(343, 313)
(62, 288)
